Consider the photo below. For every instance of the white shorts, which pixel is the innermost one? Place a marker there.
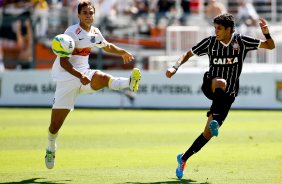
(67, 91)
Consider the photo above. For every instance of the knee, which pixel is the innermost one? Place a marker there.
(100, 80)
(219, 83)
(104, 79)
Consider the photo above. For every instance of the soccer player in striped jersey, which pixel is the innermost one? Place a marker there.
(73, 75)
(227, 51)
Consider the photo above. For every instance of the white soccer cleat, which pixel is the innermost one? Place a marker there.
(49, 159)
(134, 79)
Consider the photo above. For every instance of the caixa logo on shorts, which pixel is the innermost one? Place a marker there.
(279, 91)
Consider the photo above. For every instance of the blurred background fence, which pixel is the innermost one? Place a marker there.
(149, 29)
(181, 38)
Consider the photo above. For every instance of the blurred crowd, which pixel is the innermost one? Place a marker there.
(26, 21)
(16, 38)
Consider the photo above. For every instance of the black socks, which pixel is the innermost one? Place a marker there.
(218, 105)
(196, 146)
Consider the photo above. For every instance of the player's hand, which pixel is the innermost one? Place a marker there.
(127, 57)
(84, 80)
(263, 25)
(170, 72)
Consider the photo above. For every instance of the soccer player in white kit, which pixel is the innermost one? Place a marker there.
(73, 75)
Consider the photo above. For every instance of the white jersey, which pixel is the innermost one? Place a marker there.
(84, 42)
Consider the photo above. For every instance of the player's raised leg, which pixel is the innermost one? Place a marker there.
(101, 80)
(134, 79)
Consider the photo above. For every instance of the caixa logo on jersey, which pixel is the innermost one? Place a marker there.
(279, 91)
(225, 61)
(92, 39)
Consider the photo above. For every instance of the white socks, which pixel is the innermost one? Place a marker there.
(118, 83)
(52, 141)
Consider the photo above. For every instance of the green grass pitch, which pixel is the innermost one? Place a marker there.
(140, 147)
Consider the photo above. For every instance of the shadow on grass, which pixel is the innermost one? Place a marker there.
(33, 180)
(173, 181)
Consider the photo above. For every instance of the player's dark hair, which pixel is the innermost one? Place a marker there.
(226, 20)
(84, 3)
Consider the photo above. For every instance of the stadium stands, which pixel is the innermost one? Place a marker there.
(139, 31)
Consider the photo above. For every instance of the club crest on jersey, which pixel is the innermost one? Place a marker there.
(225, 61)
(92, 39)
(235, 45)
(78, 30)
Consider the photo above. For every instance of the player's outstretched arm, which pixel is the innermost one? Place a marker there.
(126, 56)
(64, 62)
(172, 70)
(268, 43)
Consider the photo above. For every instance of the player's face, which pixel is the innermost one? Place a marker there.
(221, 33)
(86, 15)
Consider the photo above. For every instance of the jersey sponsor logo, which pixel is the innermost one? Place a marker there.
(225, 61)
(81, 51)
(279, 91)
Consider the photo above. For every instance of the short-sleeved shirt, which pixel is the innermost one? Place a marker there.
(84, 42)
(226, 60)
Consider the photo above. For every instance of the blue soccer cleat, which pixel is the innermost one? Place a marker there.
(181, 166)
(214, 127)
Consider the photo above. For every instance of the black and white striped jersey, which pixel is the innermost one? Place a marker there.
(226, 60)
